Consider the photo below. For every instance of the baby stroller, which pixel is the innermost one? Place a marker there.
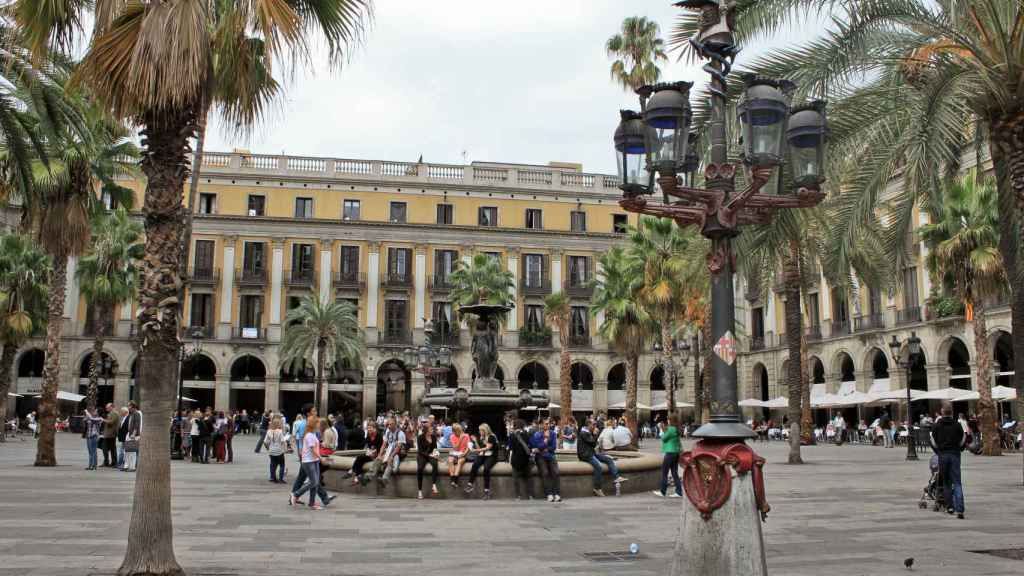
(933, 490)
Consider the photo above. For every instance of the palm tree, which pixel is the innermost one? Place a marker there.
(107, 276)
(664, 254)
(160, 64)
(324, 333)
(482, 281)
(626, 323)
(965, 254)
(558, 311)
(637, 49)
(23, 272)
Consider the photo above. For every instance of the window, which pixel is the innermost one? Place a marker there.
(254, 258)
(350, 210)
(445, 214)
(257, 205)
(201, 312)
(108, 200)
(203, 264)
(812, 310)
(349, 262)
(534, 317)
(487, 216)
(443, 320)
(578, 270)
(396, 318)
(910, 295)
(302, 261)
(620, 222)
(207, 203)
(578, 326)
(839, 308)
(303, 207)
(578, 220)
(398, 263)
(757, 322)
(397, 213)
(293, 303)
(534, 219)
(874, 301)
(496, 256)
(251, 311)
(445, 262)
(533, 270)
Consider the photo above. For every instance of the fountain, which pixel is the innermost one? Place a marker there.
(485, 401)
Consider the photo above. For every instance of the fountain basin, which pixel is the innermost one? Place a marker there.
(643, 471)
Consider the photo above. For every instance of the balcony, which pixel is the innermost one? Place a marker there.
(579, 289)
(441, 283)
(397, 280)
(535, 338)
(756, 343)
(253, 333)
(909, 315)
(251, 277)
(839, 328)
(449, 338)
(579, 340)
(204, 332)
(869, 322)
(349, 280)
(203, 276)
(533, 286)
(813, 332)
(395, 337)
(300, 278)
(783, 340)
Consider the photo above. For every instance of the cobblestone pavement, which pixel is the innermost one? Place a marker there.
(851, 511)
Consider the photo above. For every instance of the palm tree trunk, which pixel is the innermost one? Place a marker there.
(45, 452)
(6, 363)
(150, 534)
(100, 324)
(564, 373)
(986, 407)
(806, 421)
(791, 272)
(320, 401)
(666, 345)
(631, 370)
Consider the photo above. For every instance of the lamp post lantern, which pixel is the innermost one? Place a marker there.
(721, 471)
(433, 363)
(907, 364)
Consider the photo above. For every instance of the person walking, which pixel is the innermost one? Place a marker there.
(519, 459)
(264, 425)
(110, 423)
(229, 434)
(276, 443)
(486, 457)
(91, 434)
(586, 451)
(948, 440)
(309, 456)
(885, 423)
(426, 453)
(544, 446)
(670, 458)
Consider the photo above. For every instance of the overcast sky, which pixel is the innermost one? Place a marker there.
(464, 80)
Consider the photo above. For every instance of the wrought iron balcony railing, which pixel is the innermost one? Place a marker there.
(908, 315)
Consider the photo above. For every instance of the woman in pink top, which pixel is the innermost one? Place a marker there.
(457, 454)
(310, 463)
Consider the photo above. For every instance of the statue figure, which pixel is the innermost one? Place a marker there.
(485, 348)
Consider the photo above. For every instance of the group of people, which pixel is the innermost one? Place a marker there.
(205, 434)
(116, 432)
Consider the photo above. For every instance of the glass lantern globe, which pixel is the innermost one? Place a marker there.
(807, 134)
(763, 113)
(667, 114)
(631, 153)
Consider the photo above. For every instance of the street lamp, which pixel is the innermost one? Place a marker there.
(913, 355)
(631, 153)
(185, 354)
(432, 362)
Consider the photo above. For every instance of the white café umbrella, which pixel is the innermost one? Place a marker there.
(664, 405)
(13, 395)
(69, 396)
(752, 403)
(894, 395)
(777, 403)
(855, 398)
(951, 394)
(639, 406)
(1004, 393)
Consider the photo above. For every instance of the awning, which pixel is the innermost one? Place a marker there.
(69, 396)
(1002, 393)
(951, 394)
(752, 403)
(187, 399)
(639, 406)
(664, 405)
(895, 395)
(13, 395)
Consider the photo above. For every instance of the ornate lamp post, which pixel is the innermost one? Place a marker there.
(185, 354)
(913, 355)
(721, 471)
(425, 359)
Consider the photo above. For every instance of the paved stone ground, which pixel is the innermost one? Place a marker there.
(852, 511)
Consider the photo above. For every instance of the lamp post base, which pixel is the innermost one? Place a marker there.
(720, 526)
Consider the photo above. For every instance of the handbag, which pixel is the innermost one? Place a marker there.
(131, 445)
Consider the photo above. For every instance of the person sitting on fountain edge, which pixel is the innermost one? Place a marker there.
(586, 451)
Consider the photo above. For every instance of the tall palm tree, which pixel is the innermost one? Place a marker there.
(637, 49)
(665, 255)
(323, 333)
(107, 276)
(483, 281)
(23, 272)
(158, 64)
(558, 311)
(965, 253)
(626, 323)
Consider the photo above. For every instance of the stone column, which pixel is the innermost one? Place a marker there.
(326, 254)
(419, 279)
(227, 285)
(556, 271)
(272, 393)
(372, 285)
(222, 393)
(600, 401)
(370, 393)
(512, 324)
(276, 280)
(71, 297)
(417, 389)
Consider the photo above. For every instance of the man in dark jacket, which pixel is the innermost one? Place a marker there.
(948, 440)
(586, 451)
